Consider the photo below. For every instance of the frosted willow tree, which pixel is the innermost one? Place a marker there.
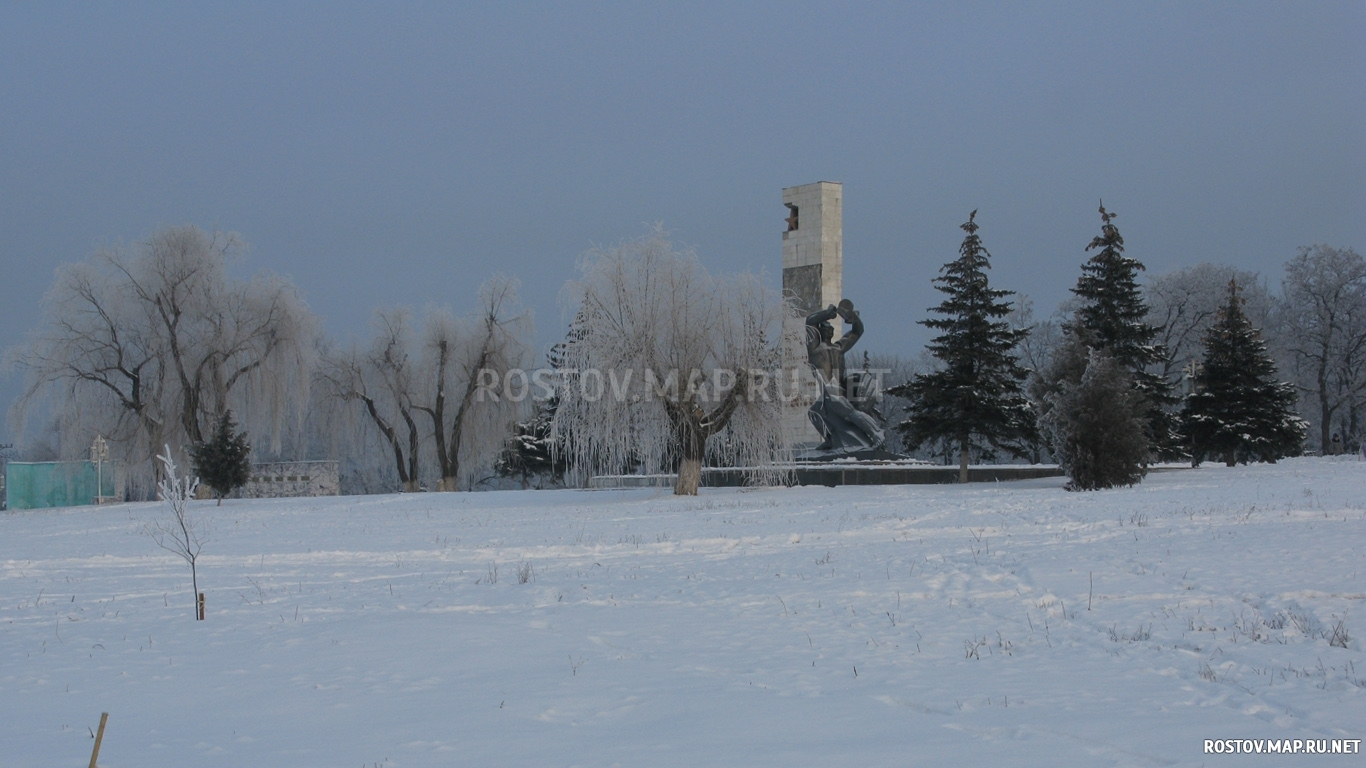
(382, 379)
(151, 344)
(456, 388)
(671, 366)
(474, 369)
(97, 361)
(219, 335)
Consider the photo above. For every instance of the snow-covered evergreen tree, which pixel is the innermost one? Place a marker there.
(532, 450)
(1114, 312)
(975, 401)
(223, 462)
(1095, 424)
(1239, 411)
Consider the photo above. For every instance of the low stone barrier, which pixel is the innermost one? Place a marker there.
(837, 473)
(284, 479)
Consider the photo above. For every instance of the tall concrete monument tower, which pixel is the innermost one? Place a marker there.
(813, 279)
(813, 255)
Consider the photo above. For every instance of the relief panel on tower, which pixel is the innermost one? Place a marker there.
(802, 286)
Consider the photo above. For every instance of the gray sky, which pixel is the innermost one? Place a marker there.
(402, 153)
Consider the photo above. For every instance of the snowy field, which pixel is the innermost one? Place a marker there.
(1007, 624)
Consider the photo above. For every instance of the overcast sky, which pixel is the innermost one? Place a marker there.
(401, 153)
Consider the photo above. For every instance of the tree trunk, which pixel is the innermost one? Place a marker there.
(451, 469)
(1231, 458)
(694, 445)
(693, 426)
(414, 444)
(689, 477)
(1325, 411)
(409, 482)
(438, 414)
(194, 584)
(963, 462)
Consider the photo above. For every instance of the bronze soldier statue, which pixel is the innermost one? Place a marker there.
(844, 427)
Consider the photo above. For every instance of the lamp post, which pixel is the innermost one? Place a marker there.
(99, 453)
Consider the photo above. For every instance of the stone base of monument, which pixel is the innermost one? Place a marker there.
(844, 472)
(804, 455)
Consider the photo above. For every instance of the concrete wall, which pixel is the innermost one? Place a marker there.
(285, 479)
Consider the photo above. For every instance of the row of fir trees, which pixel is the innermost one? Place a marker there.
(1097, 404)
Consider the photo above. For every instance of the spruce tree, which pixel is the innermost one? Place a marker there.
(1239, 412)
(223, 462)
(1095, 423)
(1114, 313)
(975, 401)
(532, 449)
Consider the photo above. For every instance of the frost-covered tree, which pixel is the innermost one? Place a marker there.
(183, 534)
(1062, 370)
(1040, 337)
(445, 391)
(532, 450)
(1114, 313)
(891, 370)
(382, 380)
(221, 335)
(1042, 340)
(1239, 411)
(223, 462)
(98, 361)
(1094, 422)
(151, 344)
(974, 400)
(1325, 328)
(672, 367)
(473, 379)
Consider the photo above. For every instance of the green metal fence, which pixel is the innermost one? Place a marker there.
(33, 485)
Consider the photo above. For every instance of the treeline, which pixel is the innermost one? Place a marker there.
(1205, 362)
(153, 344)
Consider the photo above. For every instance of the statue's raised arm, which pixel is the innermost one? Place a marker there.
(819, 318)
(850, 315)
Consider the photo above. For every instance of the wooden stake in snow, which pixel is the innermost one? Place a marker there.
(201, 606)
(104, 717)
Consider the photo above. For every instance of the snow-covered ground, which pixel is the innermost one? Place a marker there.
(993, 624)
